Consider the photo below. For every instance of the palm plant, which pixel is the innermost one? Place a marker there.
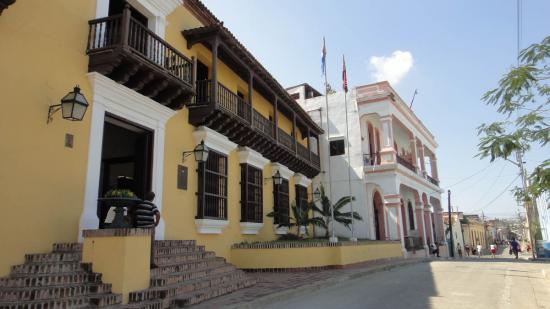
(300, 218)
(340, 216)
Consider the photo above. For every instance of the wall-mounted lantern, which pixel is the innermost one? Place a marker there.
(73, 106)
(317, 194)
(201, 153)
(277, 178)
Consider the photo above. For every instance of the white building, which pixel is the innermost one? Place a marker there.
(390, 149)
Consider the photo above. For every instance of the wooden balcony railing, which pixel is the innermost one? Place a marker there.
(405, 163)
(286, 140)
(123, 31)
(262, 124)
(315, 160)
(432, 180)
(227, 100)
(303, 152)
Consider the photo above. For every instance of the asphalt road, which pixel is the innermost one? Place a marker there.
(467, 283)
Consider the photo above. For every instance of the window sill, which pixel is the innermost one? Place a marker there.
(251, 228)
(209, 226)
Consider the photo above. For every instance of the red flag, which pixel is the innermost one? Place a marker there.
(344, 76)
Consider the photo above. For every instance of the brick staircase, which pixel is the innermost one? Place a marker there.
(55, 280)
(187, 275)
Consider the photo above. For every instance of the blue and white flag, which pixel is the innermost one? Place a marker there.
(324, 59)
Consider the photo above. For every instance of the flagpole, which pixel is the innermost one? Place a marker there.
(332, 238)
(353, 238)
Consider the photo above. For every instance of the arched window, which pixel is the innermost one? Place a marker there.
(411, 215)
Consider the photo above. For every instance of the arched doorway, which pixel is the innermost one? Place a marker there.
(379, 226)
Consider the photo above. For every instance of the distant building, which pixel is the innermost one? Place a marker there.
(394, 175)
(458, 235)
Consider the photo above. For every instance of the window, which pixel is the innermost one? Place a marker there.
(281, 203)
(337, 148)
(295, 96)
(212, 200)
(301, 196)
(411, 215)
(251, 194)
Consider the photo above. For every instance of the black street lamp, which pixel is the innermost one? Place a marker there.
(73, 106)
(317, 194)
(277, 178)
(201, 153)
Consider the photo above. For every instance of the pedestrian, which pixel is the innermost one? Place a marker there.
(479, 248)
(467, 249)
(147, 215)
(493, 250)
(459, 249)
(514, 247)
(435, 249)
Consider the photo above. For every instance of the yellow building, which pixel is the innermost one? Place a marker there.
(474, 231)
(160, 77)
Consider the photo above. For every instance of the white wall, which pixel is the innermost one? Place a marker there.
(339, 164)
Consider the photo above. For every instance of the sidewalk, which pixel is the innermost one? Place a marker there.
(272, 286)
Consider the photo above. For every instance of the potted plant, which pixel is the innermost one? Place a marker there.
(119, 199)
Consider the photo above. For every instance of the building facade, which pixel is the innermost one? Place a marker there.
(392, 163)
(475, 231)
(160, 77)
(457, 231)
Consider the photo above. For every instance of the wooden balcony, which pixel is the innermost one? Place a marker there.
(231, 116)
(432, 180)
(405, 163)
(126, 51)
(4, 4)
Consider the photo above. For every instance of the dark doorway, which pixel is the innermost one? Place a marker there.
(126, 159)
(117, 6)
(202, 71)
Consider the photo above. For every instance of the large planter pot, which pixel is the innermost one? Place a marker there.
(119, 203)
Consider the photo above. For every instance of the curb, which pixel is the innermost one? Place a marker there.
(268, 299)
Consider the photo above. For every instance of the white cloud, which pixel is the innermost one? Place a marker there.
(391, 68)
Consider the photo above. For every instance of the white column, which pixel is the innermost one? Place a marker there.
(400, 228)
(420, 211)
(433, 162)
(387, 152)
(422, 163)
(430, 226)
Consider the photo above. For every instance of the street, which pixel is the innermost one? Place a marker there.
(467, 283)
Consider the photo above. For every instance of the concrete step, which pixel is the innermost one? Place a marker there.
(208, 293)
(73, 247)
(169, 293)
(173, 243)
(150, 304)
(187, 266)
(182, 277)
(32, 269)
(183, 258)
(99, 300)
(79, 277)
(53, 292)
(53, 257)
(171, 251)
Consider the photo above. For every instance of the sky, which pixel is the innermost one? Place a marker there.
(451, 51)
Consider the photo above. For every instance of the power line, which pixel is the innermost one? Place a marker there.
(499, 195)
(492, 185)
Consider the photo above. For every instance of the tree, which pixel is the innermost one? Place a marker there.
(300, 218)
(339, 215)
(523, 97)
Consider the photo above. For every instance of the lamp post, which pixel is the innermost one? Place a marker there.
(201, 153)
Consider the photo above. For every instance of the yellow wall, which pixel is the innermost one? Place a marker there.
(42, 57)
(314, 256)
(123, 261)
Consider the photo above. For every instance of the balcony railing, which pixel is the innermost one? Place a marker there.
(371, 159)
(405, 163)
(315, 160)
(286, 140)
(262, 124)
(227, 100)
(432, 180)
(123, 31)
(303, 152)
(413, 243)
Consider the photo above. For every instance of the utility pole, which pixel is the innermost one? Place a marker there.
(531, 235)
(451, 245)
